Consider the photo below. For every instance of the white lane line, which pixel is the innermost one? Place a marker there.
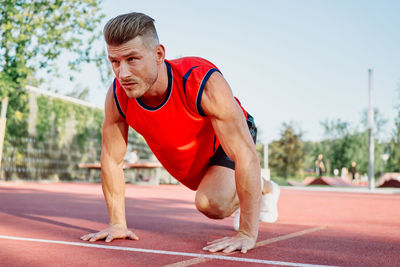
(163, 252)
(258, 244)
(288, 236)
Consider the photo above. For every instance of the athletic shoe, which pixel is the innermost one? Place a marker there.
(269, 205)
(268, 209)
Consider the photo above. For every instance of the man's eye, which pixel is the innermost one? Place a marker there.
(131, 59)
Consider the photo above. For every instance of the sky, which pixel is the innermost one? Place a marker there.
(300, 61)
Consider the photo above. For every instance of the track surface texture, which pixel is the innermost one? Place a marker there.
(40, 225)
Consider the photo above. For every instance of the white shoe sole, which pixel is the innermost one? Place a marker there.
(269, 205)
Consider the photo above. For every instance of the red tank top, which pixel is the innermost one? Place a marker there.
(178, 132)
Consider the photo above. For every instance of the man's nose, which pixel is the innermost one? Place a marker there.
(124, 71)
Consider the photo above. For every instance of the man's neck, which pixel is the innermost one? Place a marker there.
(157, 93)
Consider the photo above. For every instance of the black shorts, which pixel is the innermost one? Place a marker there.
(221, 159)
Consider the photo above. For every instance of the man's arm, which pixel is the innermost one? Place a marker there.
(231, 128)
(113, 149)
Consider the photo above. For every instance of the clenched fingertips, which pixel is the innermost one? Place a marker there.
(109, 238)
(244, 250)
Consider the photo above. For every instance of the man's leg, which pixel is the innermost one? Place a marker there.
(216, 195)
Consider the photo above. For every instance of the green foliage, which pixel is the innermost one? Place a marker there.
(104, 67)
(6, 85)
(17, 115)
(80, 93)
(341, 145)
(59, 136)
(260, 152)
(345, 144)
(393, 163)
(35, 33)
(285, 155)
(379, 123)
(54, 115)
(310, 152)
(336, 128)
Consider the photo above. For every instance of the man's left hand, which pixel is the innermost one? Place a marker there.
(240, 242)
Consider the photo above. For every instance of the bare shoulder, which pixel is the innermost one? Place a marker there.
(112, 115)
(217, 99)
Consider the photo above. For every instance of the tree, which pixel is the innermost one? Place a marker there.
(339, 145)
(285, 155)
(379, 123)
(345, 143)
(393, 162)
(35, 33)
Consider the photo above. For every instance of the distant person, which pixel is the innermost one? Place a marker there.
(344, 173)
(132, 156)
(353, 170)
(185, 110)
(319, 166)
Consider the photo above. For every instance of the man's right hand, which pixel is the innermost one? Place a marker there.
(111, 233)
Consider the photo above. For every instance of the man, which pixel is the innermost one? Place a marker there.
(320, 167)
(185, 110)
(353, 170)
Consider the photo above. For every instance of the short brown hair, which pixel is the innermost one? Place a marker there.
(124, 28)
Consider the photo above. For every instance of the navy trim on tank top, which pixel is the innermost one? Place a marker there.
(169, 90)
(116, 99)
(186, 77)
(200, 92)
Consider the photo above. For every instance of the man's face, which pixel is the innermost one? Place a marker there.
(135, 66)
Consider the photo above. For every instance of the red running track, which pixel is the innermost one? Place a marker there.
(40, 225)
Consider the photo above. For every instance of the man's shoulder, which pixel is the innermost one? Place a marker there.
(186, 63)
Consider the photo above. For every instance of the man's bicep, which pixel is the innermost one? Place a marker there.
(227, 118)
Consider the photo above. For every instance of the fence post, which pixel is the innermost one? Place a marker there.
(3, 119)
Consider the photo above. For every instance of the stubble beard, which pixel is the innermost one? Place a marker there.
(140, 89)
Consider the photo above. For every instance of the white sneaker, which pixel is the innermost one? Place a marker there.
(269, 205)
(268, 209)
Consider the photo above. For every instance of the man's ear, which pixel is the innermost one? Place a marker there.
(160, 54)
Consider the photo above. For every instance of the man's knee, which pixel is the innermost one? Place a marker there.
(211, 207)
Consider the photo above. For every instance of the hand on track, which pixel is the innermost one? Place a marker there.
(240, 242)
(111, 233)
